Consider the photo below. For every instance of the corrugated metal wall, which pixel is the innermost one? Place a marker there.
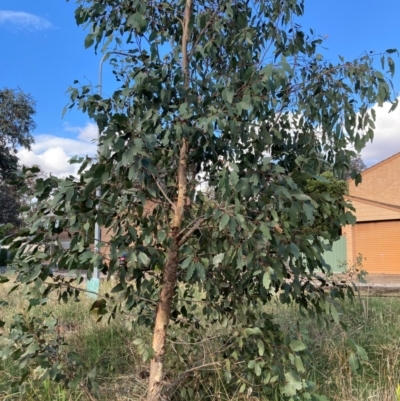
(337, 257)
(378, 243)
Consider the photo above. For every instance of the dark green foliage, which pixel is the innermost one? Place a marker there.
(16, 126)
(3, 256)
(356, 166)
(330, 216)
(9, 205)
(262, 113)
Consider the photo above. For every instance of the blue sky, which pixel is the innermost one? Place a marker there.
(43, 53)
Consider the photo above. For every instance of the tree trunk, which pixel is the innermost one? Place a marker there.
(163, 312)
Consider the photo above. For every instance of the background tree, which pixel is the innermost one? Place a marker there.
(331, 216)
(236, 91)
(9, 205)
(16, 125)
(356, 166)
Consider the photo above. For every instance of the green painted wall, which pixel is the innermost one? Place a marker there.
(337, 257)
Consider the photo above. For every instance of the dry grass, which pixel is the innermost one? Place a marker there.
(373, 324)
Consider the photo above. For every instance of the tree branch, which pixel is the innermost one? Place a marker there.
(165, 195)
(167, 392)
(191, 231)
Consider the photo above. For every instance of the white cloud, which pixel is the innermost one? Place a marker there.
(387, 136)
(22, 20)
(88, 133)
(52, 152)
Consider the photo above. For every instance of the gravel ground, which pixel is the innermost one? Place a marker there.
(383, 279)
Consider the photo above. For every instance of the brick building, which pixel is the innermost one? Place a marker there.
(376, 235)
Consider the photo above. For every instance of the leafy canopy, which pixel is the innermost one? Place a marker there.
(229, 106)
(16, 125)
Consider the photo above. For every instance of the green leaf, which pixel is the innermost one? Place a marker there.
(161, 235)
(362, 353)
(265, 230)
(302, 197)
(138, 341)
(293, 384)
(266, 280)
(261, 347)
(334, 314)
(227, 94)
(297, 346)
(218, 259)
(143, 259)
(4, 279)
(224, 221)
(353, 362)
(89, 40)
(99, 304)
(118, 288)
(234, 178)
(186, 262)
(137, 21)
(201, 273)
(76, 358)
(244, 105)
(190, 271)
(31, 349)
(299, 364)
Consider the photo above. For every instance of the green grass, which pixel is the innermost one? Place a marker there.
(373, 323)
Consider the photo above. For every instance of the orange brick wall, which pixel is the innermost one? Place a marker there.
(380, 183)
(369, 212)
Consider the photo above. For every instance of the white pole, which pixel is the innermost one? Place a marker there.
(97, 228)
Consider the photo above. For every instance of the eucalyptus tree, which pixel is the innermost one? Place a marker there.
(234, 97)
(16, 125)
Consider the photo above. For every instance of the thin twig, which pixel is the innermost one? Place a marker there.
(190, 232)
(165, 195)
(197, 342)
(182, 376)
(62, 285)
(189, 225)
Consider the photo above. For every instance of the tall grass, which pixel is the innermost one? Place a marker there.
(373, 323)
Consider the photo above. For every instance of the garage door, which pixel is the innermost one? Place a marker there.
(379, 243)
